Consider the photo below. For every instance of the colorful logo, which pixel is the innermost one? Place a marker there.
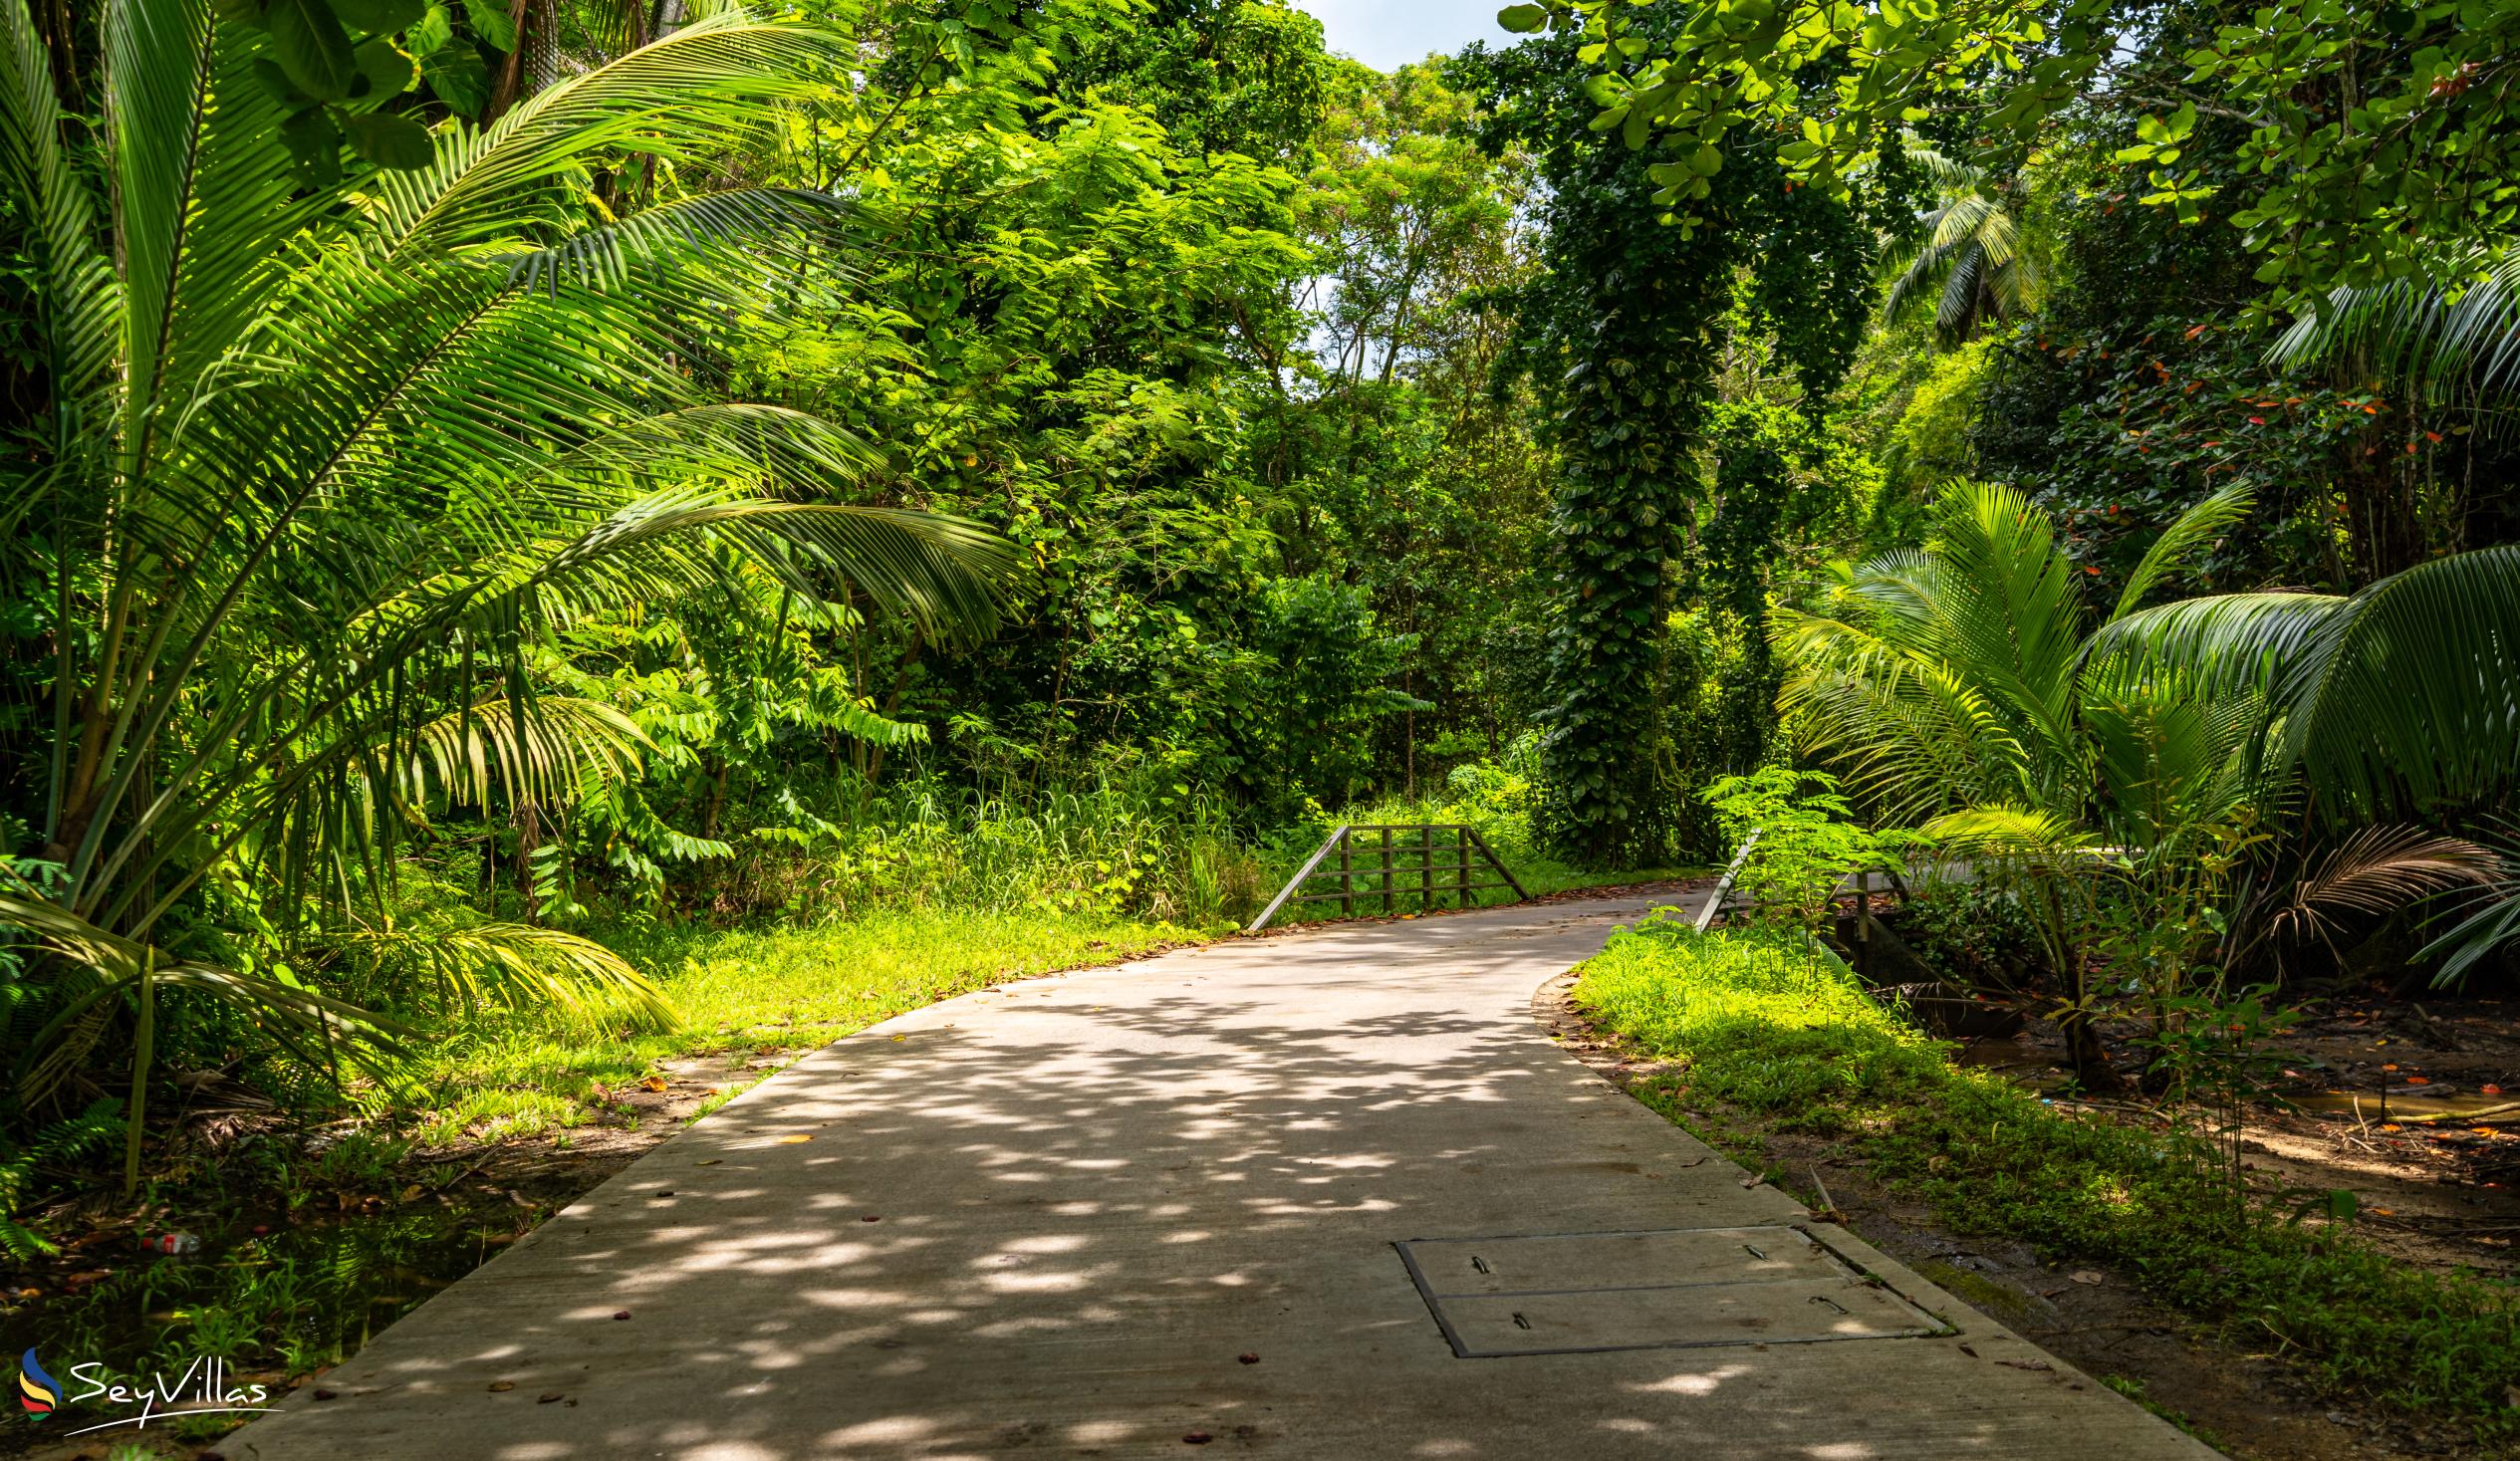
(37, 1391)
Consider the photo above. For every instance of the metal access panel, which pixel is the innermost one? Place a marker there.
(1677, 1288)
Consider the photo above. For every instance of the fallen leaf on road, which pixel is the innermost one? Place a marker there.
(620, 1314)
(546, 1397)
(653, 1083)
(503, 1384)
(1248, 1356)
(1196, 1439)
(792, 1140)
(2034, 1365)
(2085, 1276)
(713, 1161)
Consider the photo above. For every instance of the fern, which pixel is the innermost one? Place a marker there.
(63, 1141)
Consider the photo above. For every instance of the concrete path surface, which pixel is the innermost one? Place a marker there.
(1137, 1211)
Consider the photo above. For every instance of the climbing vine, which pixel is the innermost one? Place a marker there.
(1621, 334)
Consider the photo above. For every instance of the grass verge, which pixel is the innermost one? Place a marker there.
(768, 989)
(311, 1238)
(1758, 1027)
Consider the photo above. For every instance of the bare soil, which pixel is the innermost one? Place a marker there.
(2402, 1102)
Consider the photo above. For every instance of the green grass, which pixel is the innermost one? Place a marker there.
(768, 990)
(1767, 1037)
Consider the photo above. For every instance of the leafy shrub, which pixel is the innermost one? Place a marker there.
(1807, 842)
(1975, 935)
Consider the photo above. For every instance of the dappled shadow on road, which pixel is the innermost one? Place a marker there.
(1112, 1213)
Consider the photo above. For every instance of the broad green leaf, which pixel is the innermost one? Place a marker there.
(1522, 19)
(457, 75)
(432, 31)
(385, 72)
(315, 144)
(308, 43)
(379, 17)
(390, 140)
(492, 23)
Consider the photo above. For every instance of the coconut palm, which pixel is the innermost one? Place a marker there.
(1971, 261)
(325, 461)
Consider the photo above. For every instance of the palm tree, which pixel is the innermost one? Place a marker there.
(1962, 688)
(1953, 684)
(1971, 260)
(2402, 699)
(325, 462)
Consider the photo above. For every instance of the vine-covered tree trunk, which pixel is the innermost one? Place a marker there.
(1612, 532)
(1623, 333)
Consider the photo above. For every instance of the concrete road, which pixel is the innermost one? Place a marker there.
(1144, 1211)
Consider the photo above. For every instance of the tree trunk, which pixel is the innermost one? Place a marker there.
(529, 836)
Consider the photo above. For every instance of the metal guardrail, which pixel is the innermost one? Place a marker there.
(1388, 861)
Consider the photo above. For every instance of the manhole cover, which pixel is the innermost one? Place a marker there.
(1679, 1287)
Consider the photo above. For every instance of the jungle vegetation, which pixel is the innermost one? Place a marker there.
(492, 489)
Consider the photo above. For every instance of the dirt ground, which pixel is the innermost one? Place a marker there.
(2402, 1102)
(2426, 1198)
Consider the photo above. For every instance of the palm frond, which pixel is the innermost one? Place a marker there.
(2238, 639)
(2379, 870)
(542, 750)
(703, 89)
(2410, 692)
(1945, 172)
(2178, 543)
(769, 229)
(525, 969)
(2460, 328)
(104, 965)
(2023, 836)
(78, 299)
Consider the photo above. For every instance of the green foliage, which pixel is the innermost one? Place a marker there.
(1770, 1036)
(62, 1143)
(1219, 75)
(1808, 841)
(1305, 695)
(2416, 171)
(416, 436)
(1977, 937)
(1622, 339)
(1931, 441)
